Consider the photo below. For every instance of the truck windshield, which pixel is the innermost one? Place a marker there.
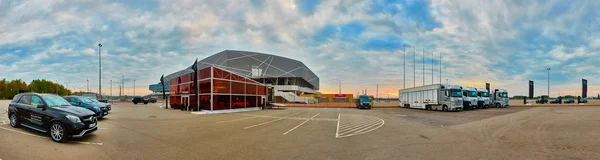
(455, 93)
(472, 93)
(485, 94)
(504, 95)
(364, 99)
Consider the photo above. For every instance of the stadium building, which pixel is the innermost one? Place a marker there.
(239, 79)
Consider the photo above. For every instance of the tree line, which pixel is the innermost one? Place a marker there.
(8, 89)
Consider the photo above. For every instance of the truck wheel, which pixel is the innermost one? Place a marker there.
(445, 108)
(57, 132)
(497, 105)
(14, 122)
(134, 102)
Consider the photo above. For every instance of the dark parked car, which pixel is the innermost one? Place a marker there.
(153, 100)
(570, 100)
(107, 105)
(137, 100)
(541, 101)
(555, 101)
(583, 100)
(85, 102)
(51, 114)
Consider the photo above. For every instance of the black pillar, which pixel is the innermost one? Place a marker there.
(584, 88)
(530, 89)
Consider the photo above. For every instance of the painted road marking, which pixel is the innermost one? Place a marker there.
(271, 121)
(301, 124)
(245, 118)
(338, 125)
(33, 135)
(352, 124)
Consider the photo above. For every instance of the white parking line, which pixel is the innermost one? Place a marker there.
(233, 120)
(271, 121)
(301, 124)
(33, 135)
(338, 126)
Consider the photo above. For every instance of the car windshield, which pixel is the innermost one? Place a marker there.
(485, 94)
(94, 100)
(55, 101)
(86, 100)
(455, 93)
(472, 93)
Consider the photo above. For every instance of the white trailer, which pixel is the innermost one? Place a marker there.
(432, 97)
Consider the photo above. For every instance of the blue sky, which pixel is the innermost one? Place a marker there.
(361, 43)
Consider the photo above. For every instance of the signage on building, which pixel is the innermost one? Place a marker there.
(341, 95)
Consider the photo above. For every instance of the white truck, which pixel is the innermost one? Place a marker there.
(432, 97)
(500, 98)
(469, 98)
(483, 98)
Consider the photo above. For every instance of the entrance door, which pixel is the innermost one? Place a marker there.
(185, 100)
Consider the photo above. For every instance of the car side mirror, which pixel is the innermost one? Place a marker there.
(41, 106)
(78, 103)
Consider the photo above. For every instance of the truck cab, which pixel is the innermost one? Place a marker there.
(500, 98)
(483, 98)
(363, 101)
(469, 98)
(451, 98)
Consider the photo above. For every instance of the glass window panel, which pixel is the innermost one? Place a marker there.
(250, 89)
(221, 86)
(237, 88)
(205, 102)
(221, 102)
(238, 102)
(204, 86)
(251, 101)
(204, 73)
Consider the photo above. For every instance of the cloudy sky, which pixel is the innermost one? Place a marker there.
(360, 43)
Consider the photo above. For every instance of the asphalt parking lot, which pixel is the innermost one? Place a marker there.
(150, 132)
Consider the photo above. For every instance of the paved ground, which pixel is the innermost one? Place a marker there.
(149, 132)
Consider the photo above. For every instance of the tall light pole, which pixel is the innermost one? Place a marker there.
(548, 82)
(415, 67)
(111, 97)
(404, 68)
(431, 67)
(56, 87)
(423, 67)
(100, 69)
(440, 67)
(88, 85)
(340, 89)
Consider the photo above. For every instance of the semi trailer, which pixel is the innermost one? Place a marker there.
(432, 97)
(469, 98)
(483, 98)
(500, 98)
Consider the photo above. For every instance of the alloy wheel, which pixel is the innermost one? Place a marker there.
(13, 120)
(57, 132)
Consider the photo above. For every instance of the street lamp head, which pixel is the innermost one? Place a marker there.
(548, 68)
(99, 45)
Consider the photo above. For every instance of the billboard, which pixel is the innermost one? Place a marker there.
(584, 88)
(530, 89)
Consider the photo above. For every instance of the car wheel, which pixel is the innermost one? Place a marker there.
(14, 122)
(134, 102)
(57, 132)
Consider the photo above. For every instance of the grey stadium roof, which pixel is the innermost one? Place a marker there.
(241, 62)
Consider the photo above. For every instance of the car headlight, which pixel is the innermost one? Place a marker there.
(73, 119)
